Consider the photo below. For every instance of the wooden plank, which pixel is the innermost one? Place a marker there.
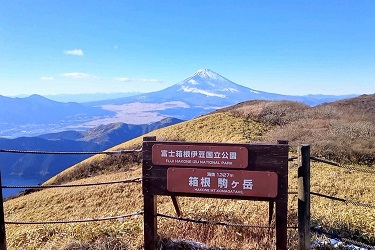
(304, 215)
(150, 222)
(259, 154)
(3, 244)
(282, 207)
(281, 225)
(156, 180)
(176, 205)
(149, 200)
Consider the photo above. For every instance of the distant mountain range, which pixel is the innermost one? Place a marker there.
(206, 88)
(36, 168)
(199, 94)
(40, 110)
(206, 91)
(35, 115)
(88, 97)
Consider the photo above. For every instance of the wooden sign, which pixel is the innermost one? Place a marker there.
(222, 182)
(256, 172)
(200, 155)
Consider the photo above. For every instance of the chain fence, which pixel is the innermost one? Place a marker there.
(14, 151)
(336, 164)
(219, 223)
(138, 179)
(356, 203)
(118, 217)
(318, 230)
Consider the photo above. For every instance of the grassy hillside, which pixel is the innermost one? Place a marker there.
(343, 131)
(255, 121)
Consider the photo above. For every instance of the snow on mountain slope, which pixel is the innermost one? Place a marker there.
(209, 83)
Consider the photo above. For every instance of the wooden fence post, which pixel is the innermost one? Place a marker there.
(282, 210)
(304, 197)
(3, 244)
(149, 203)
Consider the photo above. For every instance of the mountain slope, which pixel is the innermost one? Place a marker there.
(35, 115)
(111, 134)
(37, 168)
(36, 109)
(362, 106)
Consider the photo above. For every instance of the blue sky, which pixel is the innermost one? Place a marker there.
(287, 47)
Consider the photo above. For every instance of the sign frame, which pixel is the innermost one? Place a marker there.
(260, 158)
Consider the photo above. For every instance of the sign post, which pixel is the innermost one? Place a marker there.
(215, 170)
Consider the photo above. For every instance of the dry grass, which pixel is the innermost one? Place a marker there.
(76, 203)
(92, 202)
(347, 220)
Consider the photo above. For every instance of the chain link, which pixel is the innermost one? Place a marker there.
(211, 222)
(119, 217)
(369, 171)
(71, 153)
(139, 179)
(357, 203)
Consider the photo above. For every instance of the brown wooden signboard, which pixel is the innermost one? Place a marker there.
(214, 170)
(199, 155)
(222, 182)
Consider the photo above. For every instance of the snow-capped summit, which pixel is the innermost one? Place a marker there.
(207, 76)
(209, 83)
(207, 73)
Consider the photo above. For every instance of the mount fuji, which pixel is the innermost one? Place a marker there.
(205, 91)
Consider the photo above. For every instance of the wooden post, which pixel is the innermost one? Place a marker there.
(150, 205)
(3, 244)
(282, 211)
(176, 205)
(304, 197)
(150, 222)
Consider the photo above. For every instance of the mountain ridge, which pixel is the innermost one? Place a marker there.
(34, 113)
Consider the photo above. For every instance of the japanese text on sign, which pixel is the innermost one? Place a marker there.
(200, 155)
(222, 182)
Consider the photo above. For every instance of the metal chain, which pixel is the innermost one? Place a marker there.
(211, 222)
(73, 221)
(70, 153)
(139, 179)
(357, 203)
(321, 231)
(369, 171)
